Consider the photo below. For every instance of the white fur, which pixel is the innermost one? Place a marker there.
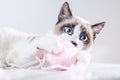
(23, 50)
(74, 37)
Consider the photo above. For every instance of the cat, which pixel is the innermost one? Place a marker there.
(77, 30)
(20, 48)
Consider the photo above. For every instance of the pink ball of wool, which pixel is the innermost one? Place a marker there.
(66, 57)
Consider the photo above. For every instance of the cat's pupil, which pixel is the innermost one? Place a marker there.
(83, 37)
(68, 30)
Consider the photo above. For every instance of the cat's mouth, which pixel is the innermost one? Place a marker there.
(74, 43)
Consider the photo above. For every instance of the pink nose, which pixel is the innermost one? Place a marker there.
(74, 43)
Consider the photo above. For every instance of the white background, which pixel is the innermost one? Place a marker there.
(38, 16)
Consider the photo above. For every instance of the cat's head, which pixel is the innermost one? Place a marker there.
(75, 29)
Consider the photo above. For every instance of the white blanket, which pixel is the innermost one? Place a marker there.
(94, 72)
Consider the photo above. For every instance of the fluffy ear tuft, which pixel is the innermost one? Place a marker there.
(97, 28)
(65, 12)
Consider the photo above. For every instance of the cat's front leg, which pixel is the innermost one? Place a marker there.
(50, 43)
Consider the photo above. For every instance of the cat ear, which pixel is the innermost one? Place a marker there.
(97, 28)
(65, 12)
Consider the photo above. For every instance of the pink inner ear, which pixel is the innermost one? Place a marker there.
(97, 29)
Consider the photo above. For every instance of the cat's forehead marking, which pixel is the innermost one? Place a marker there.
(77, 29)
(74, 21)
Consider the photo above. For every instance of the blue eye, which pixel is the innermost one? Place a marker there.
(83, 37)
(68, 30)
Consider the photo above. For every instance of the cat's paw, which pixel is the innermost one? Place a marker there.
(50, 44)
(55, 47)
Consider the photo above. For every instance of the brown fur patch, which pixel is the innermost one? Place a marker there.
(89, 33)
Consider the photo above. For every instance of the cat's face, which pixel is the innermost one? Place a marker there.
(75, 29)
